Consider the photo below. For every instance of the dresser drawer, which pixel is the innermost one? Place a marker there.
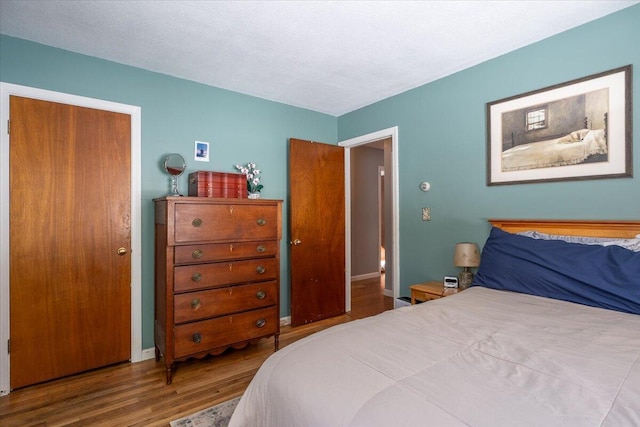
(193, 338)
(201, 223)
(224, 251)
(201, 276)
(217, 302)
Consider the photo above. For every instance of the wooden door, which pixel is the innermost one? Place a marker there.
(70, 203)
(317, 230)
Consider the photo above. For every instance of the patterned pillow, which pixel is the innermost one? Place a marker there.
(631, 244)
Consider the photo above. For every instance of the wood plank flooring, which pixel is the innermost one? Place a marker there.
(135, 394)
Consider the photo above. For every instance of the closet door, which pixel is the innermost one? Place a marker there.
(70, 239)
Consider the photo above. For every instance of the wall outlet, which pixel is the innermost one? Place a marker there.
(426, 214)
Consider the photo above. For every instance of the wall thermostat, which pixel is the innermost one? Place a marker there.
(425, 186)
(450, 282)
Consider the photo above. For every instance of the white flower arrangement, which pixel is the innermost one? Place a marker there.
(252, 173)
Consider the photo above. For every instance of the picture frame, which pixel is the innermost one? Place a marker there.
(577, 130)
(201, 151)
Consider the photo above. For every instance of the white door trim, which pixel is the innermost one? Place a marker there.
(8, 89)
(380, 207)
(354, 142)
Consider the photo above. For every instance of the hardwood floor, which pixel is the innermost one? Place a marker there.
(135, 394)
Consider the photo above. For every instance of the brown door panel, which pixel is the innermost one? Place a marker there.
(69, 214)
(317, 230)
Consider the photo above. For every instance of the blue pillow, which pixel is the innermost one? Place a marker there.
(598, 276)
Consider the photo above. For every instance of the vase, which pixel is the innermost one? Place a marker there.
(254, 195)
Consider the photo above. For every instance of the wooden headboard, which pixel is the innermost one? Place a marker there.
(626, 229)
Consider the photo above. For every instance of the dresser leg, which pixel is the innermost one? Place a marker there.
(169, 375)
(157, 354)
(276, 342)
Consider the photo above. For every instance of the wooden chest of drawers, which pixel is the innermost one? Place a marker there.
(217, 275)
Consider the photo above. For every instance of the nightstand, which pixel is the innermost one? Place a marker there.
(430, 290)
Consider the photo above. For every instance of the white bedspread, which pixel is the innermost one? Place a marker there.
(479, 358)
(555, 152)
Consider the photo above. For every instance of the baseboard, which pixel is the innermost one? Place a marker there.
(285, 321)
(148, 353)
(388, 293)
(373, 275)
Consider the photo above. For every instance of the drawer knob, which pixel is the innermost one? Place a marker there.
(196, 277)
(197, 253)
(197, 338)
(261, 221)
(261, 248)
(261, 294)
(260, 323)
(196, 304)
(260, 269)
(196, 222)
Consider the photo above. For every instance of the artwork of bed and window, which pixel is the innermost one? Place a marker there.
(574, 130)
(564, 132)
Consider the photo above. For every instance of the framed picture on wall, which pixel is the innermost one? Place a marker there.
(201, 151)
(576, 130)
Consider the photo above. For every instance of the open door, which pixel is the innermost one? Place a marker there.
(317, 230)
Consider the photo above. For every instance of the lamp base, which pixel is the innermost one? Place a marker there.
(464, 279)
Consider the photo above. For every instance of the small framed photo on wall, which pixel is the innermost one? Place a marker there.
(201, 151)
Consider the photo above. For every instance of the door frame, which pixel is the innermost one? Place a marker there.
(7, 90)
(395, 208)
(380, 207)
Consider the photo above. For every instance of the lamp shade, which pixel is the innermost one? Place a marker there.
(466, 255)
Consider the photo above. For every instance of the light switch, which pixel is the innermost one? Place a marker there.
(426, 214)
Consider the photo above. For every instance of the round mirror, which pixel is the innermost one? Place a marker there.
(174, 165)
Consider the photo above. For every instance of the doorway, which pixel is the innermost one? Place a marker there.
(391, 208)
(6, 91)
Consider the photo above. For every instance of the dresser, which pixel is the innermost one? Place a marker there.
(217, 275)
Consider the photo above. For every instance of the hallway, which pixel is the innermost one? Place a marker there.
(367, 298)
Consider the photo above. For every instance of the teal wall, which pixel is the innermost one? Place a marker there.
(442, 139)
(175, 113)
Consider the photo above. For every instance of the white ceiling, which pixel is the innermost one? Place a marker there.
(328, 56)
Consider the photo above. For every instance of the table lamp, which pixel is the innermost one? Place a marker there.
(466, 255)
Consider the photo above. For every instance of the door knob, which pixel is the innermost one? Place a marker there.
(122, 251)
(296, 242)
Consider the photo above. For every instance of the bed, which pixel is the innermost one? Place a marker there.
(570, 149)
(548, 335)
